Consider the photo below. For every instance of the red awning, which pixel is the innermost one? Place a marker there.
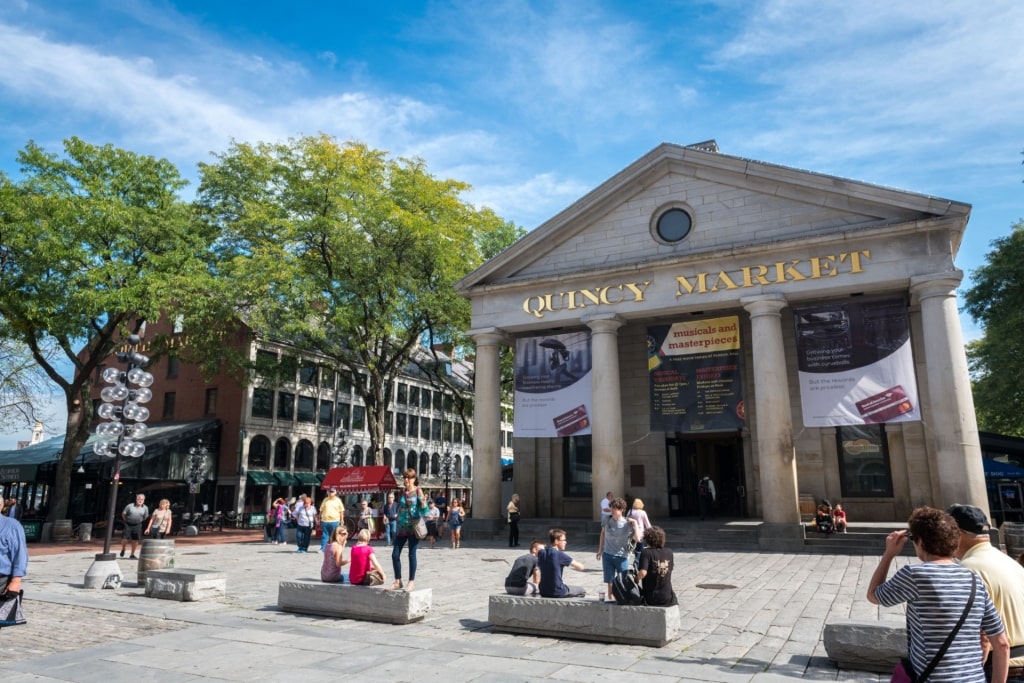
(360, 479)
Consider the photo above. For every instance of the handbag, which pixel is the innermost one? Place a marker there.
(373, 578)
(11, 613)
(420, 528)
(904, 671)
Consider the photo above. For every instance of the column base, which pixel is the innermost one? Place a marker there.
(103, 573)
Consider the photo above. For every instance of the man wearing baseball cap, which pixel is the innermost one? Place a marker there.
(1003, 578)
(331, 512)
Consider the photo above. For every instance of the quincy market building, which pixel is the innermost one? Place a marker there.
(790, 334)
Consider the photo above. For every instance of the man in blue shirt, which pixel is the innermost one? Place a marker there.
(551, 562)
(13, 554)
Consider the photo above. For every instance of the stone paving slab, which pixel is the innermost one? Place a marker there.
(765, 628)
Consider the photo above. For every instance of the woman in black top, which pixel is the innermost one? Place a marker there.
(655, 574)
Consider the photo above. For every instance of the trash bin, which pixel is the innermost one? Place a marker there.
(156, 554)
(85, 531)
(33, 530)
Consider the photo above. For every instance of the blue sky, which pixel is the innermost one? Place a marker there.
(536, 103)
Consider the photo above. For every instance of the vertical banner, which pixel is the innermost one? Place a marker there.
(856, 366)
(694, 376)
(553, 376)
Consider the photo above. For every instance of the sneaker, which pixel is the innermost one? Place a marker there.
(132, 558)
(122, 552)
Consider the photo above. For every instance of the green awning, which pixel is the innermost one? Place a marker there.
(261, 477)
(285, 478)
(307, 478)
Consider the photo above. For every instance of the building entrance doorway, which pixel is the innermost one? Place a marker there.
(720, 457)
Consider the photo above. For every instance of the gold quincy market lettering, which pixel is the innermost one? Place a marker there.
(814, 268)
(540, 304)
(773, 274)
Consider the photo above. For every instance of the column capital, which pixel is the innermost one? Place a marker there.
(764, 304)
(490, 336)
(936, 284)
(603, 322)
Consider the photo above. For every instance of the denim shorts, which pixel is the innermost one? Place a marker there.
(612, 565)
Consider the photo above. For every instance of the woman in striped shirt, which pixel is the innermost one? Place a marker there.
(936, 591)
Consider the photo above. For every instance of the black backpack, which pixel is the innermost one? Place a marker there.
(626, 589)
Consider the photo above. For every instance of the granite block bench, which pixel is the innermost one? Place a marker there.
(311, 596)
(584, 619)
(186, 585)
(865, 645)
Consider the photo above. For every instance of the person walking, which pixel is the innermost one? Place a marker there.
(455, 517)
(1003, 578)
(133, 515)
(513, 521)
(942, 598)
(643, 521)
(390, 520)
(706, 497)
(433, 517)
(332, 511)
(281, 518)
(13, 555)
(412, 504)
(305, 520)
(160, 521)
(613, 546)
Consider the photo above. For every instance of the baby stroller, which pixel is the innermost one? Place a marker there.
(823, 520)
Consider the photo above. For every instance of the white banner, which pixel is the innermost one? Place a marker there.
(553, 376)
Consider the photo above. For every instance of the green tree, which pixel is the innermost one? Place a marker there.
(347, 252)
(996, 302)
(92, 243)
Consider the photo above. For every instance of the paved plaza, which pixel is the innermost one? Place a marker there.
(747, 617)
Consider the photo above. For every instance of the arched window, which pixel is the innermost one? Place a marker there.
(323, 457)
(410, 460)
(387, 457)
(424, 463)
(357, 456)
(399, 461)
(435, 465)
(259, 453)
(304, 456)
(282, 450)
(467, 468)
(457, 467)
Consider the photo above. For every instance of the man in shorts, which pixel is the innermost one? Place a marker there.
(134, 514)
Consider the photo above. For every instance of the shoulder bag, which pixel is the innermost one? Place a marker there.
(11, 613)
(904, 671)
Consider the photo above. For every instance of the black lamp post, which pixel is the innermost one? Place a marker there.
(125, 425)
(447, 463)
(196, 473)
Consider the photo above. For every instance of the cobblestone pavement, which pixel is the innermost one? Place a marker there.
(747, 617)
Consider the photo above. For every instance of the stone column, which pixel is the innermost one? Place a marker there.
(487, 503)
(780, 501)
(951, 420)
(606, 409)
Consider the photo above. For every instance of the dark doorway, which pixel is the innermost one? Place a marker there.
(719, 456)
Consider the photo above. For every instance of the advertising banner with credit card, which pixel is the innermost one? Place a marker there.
(695, 376)
(856, 365)
(553, 378)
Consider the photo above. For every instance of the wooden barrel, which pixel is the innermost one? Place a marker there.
(1013, 537)
(156, 554)
(808, 508)
(62, 531)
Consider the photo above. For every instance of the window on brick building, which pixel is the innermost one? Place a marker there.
(169, 397)
(210, 407)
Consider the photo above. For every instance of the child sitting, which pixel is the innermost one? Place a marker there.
(839, 518)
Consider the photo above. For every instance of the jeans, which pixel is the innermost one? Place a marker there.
(390, 531)
(396, 555)
(613, 564)
(326, 531)
(302, 535)
(279, 536)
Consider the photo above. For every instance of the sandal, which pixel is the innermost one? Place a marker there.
(397, 585)
(408, 587)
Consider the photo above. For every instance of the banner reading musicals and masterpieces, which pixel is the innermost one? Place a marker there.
(695, 377)
(553, 385)
(855, 363)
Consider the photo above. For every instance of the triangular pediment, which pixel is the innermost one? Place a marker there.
(735, 204)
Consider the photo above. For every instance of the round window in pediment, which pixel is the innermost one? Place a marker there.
(673, 225)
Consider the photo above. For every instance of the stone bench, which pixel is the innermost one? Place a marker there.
(584, 619)
(865, 645)
(311, 596)
(186, 585)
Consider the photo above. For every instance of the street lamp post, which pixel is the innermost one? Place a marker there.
(196, 473)
(120, 437)
(447, 461)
